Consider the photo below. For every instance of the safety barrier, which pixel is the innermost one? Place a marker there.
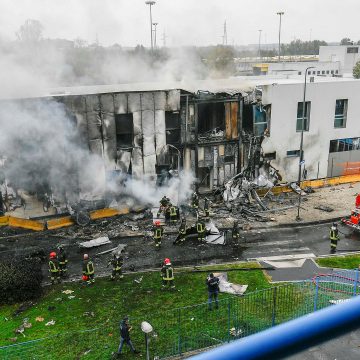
(192, 328)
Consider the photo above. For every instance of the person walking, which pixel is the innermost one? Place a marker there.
(54, 268)
(212, 283)
(167, 274)
(125, 329)
(88, 270)
(158, 232)
(334, 238)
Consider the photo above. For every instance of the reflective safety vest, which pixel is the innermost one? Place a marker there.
(158, 233)
(200, 227)
(168, 273)
(333, 235)
(182, 230)
(173, 211)
(62, 259)
(117, 264)
(53, 266)
(89, 268)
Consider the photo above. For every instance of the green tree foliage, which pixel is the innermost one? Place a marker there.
(356, 70)
(346, 41)
(20, 279)
(30, 31)
(298, 47)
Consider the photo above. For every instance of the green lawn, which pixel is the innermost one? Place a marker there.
(340, 262)
(104, 304)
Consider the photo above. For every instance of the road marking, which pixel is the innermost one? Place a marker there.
(286, 257)
(271, 243)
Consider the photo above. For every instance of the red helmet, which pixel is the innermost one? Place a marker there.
(53, 255)
(85, 277)
(157, 222)
(167, 261)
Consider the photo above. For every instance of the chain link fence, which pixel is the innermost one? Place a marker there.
(191, 328)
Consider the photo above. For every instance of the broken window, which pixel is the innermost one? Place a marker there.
(348, 144)
(260, 121)
(172, 121)
(340, 113)
(211, 118)
(229, 153)
(124, 130)
(303, 124)
(204, 176)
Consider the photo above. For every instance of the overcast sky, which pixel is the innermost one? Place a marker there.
(185, 22)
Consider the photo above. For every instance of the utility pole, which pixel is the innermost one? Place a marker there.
(151, 3)
(225, 40)
(260, 44)
(280, 13)
(155, 25)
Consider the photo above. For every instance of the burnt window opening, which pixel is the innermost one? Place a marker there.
(270, 156)
(211, 118)
(173, 130)
(204, 177)
(124, 130)
(256, 118)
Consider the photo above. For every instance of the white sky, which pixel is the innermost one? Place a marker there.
(186, 22)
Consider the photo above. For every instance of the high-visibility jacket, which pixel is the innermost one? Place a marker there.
(158, 231)
(62, 258)
(53, 266)
(167, 272)
(173, 211)
(182, 229)
(116, 263)
(334, 234)
(88, 267)
(200, 227)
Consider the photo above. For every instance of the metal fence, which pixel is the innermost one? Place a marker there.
(192, 328)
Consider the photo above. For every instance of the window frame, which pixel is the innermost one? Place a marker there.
(306, 118)
(343, 116)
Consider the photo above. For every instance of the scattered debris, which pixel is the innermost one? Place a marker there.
(39, 319)
(49, 323)
(67, 292)
(309, 190)
(296, 188)
(71, 297)
(133, 227)
(95, 242)
(236, 332)
(89, 313)
(87, 351)
(23, 307)
(13, 339)
(139, 280)
(115, 250)
(339, 301)
(228, 287)
(324, 208)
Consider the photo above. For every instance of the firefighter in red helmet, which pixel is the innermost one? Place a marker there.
(158, 233)
(88, 270)
(54, 268)
(167, 274)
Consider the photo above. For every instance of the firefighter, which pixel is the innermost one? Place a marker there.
(195, 201)
(88, 270)
(164, 204)
(62, 261)
(167, 274)
(116, 262)
(235, 231)
(207, 209)
(182, 232)
(54, 268)
(158, 233)
(201, 229)
(334, 238)
(173, 214)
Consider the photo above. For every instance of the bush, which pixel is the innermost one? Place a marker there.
(20, 279)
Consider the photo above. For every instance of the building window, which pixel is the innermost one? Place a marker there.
(293, 153)
(299, 72)
(211, 119)
(299, 121)
(318, 72)
(348, 144)
(323, 72)
(124, 130)
(352, 50)
(327, 71)
(172, 123)
(340, 113)
(332, 72)
(260, 120)
(314, 72)
(336, 71)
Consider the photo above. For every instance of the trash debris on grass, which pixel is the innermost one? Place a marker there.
(95, 242)
(235, 332)
(67, 292)
(228, 287)
(49, 323)
(39, 319)
(89, 313)
(139, 280)
(71, 297)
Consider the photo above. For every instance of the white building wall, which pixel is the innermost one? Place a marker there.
(325, 68)
(284, 99)
(340, 53)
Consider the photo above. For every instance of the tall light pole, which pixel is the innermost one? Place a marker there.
(155, 25)
(301, 159)
(280, 13)
(151, 3)
(260, 44)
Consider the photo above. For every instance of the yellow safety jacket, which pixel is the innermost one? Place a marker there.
(53, 266)
(167, 273)
(333, 235)
(173, 211)
(200, 227)
(158, 233)
(89, 268)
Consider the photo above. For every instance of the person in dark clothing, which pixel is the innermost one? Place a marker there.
(235, 231)
(62, 261)
(125, 329)
(54, 268)
(182, 233)
(212, 283)
(207, 209)
(201, 230)
(334, 238)
(158, 232)
(116, 262)
(88, 270)
(167, 275)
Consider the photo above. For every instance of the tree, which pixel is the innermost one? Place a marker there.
(356, 70)
(30, 32)
(346, 41)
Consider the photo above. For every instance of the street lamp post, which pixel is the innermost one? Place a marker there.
(155, 25)
(280, 13)
(260, 44)
(151, 3)
(301, 159)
